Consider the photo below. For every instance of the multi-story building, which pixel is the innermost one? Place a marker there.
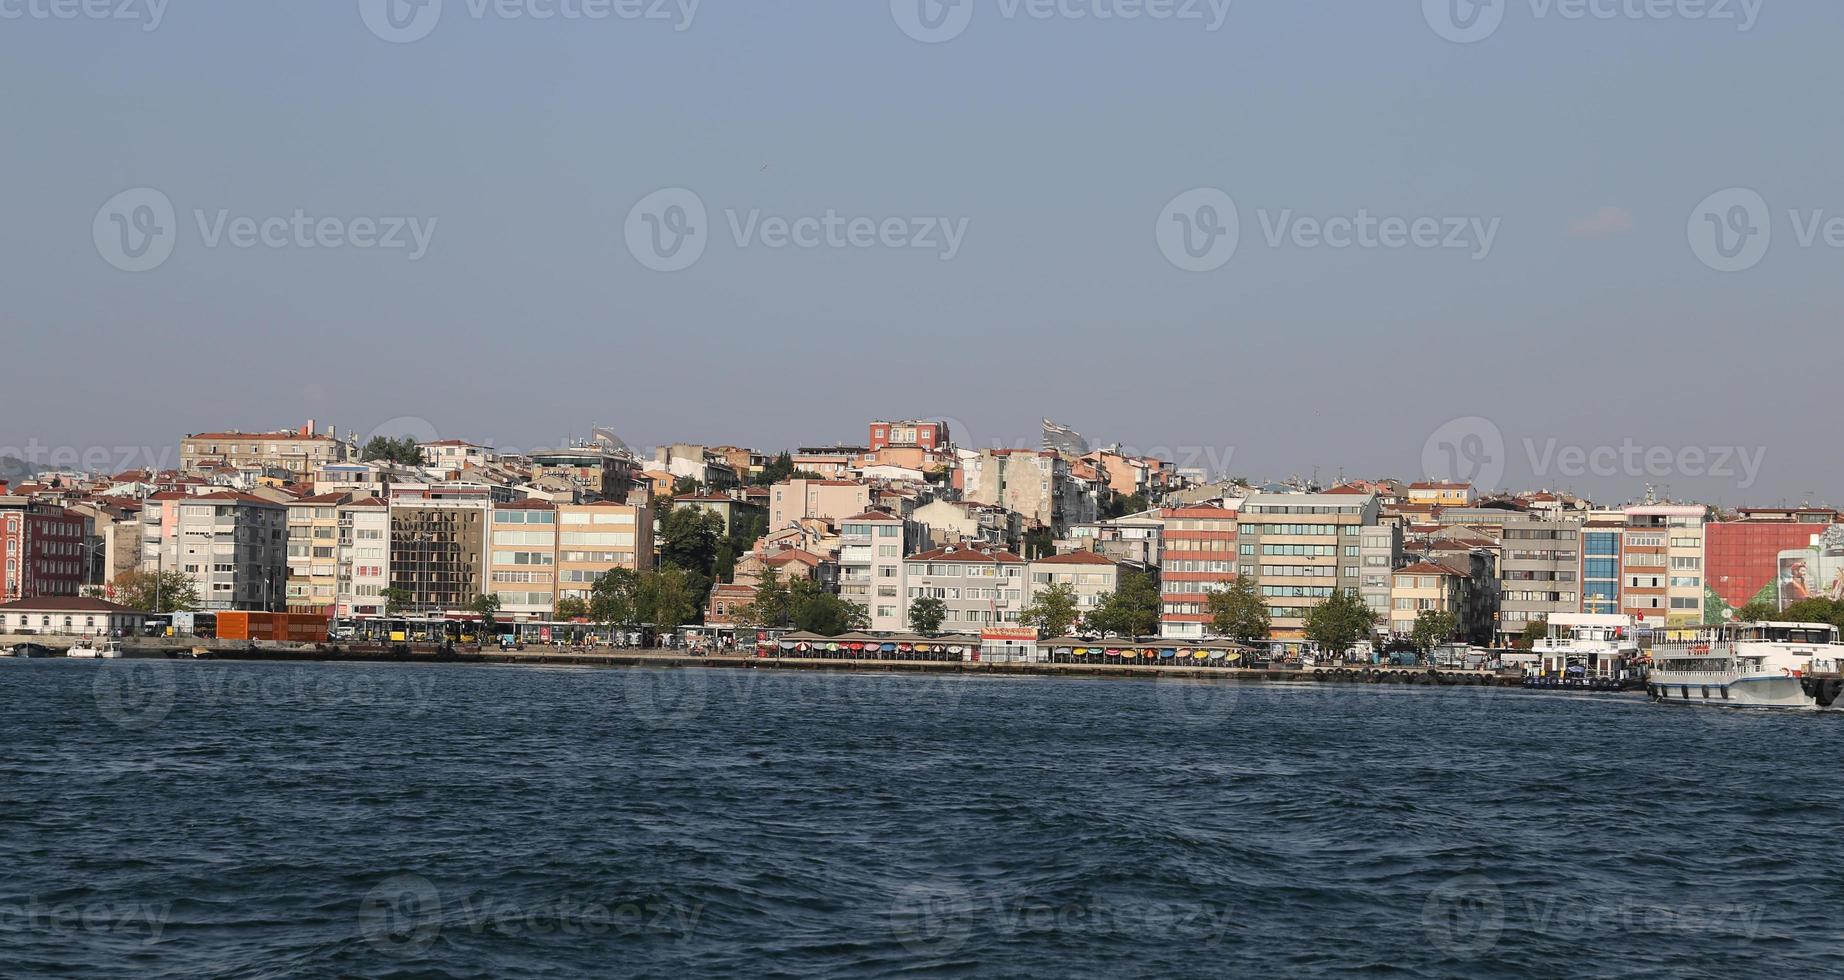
(828, 500)
(522, 559)
(946, 522)
(596, 472)
(1539, 572)
(299, 452)
(234, 547)
(1094, 577)
(1380, 554)
(313, 553)
(1038, 485)
(1198, 555)
(730, 507)
(1463, 585)
(439, 552)
(1441, 494)
(921, 435)
(364, 557)
(454, 455)
(871, 551)
(686, 461)
(1742, 557)
(978, 587)
(43, 549)
(1601, 548)
(1135, 538)
(595, 539)
(1662, 564)
(1301, 548)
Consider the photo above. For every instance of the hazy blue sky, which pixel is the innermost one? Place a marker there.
(1587, 144)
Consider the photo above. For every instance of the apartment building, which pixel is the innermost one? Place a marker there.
(1440, 494)
(1463, 585)
(522, 559)
(1379, 555)
(704, 466)
(1038, 485)
(234, 547)
(1094, 577)
(792, 501)
(313, 553)
(946, 522)
(595, 472)
(438, 551)
(829, 462)
(298, 452)
(910, 433)
(871, 551)
(1539, 572)
(44, 548)
(364, 557)
(979, 587)
(597, 538)
(1136, 538)
(1301, 548)
(1198, 556)
(454, 455)
(1601, 548)
(1662, 564)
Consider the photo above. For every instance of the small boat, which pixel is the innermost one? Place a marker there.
(33, 651)
(92, 648)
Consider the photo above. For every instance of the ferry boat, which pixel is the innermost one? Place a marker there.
(1749, 665)
(1587, 647)
(92, 648)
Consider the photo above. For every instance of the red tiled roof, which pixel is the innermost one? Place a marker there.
(1075, 558)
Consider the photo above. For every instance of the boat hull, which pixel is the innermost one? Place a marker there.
(1732, 690)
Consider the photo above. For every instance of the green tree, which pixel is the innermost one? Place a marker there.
(1433, 628)
(1039, 543)
(776, 470)
(1815, 610)
(487, 608)
(926, 614)
(671, 598)
(1238, 612)
(1339, 622)
(1756, 611)
(816, 610)
(157, 592)
(1535, 630)
(386, 449)
(571, 607)
(1121, 506)
(684, 486)
(615, 599)
(1053, 610)
(773, 605)
(1133, 609)
(689, 538)
(396, 601)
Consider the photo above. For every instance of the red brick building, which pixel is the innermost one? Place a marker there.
(923, 435)
(42, 548)
(1743, 557)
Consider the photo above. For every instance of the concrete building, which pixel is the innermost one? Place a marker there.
(364, 557)
(69, 616)
(596, 472)
(792, 501)
(1463, 585)
(1038, 485)
(1094, 577)
(522, 559)
(1380, 554)
(298, 452)
(42, 550)
(234, 547)
(1135, 538)
(946, 522)
(454, 455)
(978, 587)
(1742, 556)
(313, 553)
(1198, 556)
(921, 435)
(871, 551)
(595, 539)
(706, 467)
(1301, 548)
(1662, 564)
(439, 552)
(1539, 572)
(1601, 539)
(1440, 494)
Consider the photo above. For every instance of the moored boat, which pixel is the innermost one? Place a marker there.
(1750, 665)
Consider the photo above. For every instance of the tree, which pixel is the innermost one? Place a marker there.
(1337, 623)
(1432, 628)
(816, 610)
(615, 599)
(1816, 610)
(670, 597)
(1535, 630)
(157, 592)
(1133, 609)
(487, 607)
(396, 601)
(688, 539)
(1053, 610)
(386, 449)
(926, 614)
(1756, 611)
(1238, 612)
(773, 605)
(777, 469)
(1121, 506)
(684, 486)
(571, 607)
(1039, 543)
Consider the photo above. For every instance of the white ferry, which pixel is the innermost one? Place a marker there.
(1588, 646)
(1750, 665)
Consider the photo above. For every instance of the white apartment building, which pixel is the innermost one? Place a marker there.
(978, 587)
(364, 557)
(522, 559)
(233, 546)
(871, 567)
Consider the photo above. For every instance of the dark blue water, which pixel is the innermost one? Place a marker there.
(271, 820)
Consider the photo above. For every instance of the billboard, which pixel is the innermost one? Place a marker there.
(1816, 572)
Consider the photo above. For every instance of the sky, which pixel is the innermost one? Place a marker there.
(1575, 244)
